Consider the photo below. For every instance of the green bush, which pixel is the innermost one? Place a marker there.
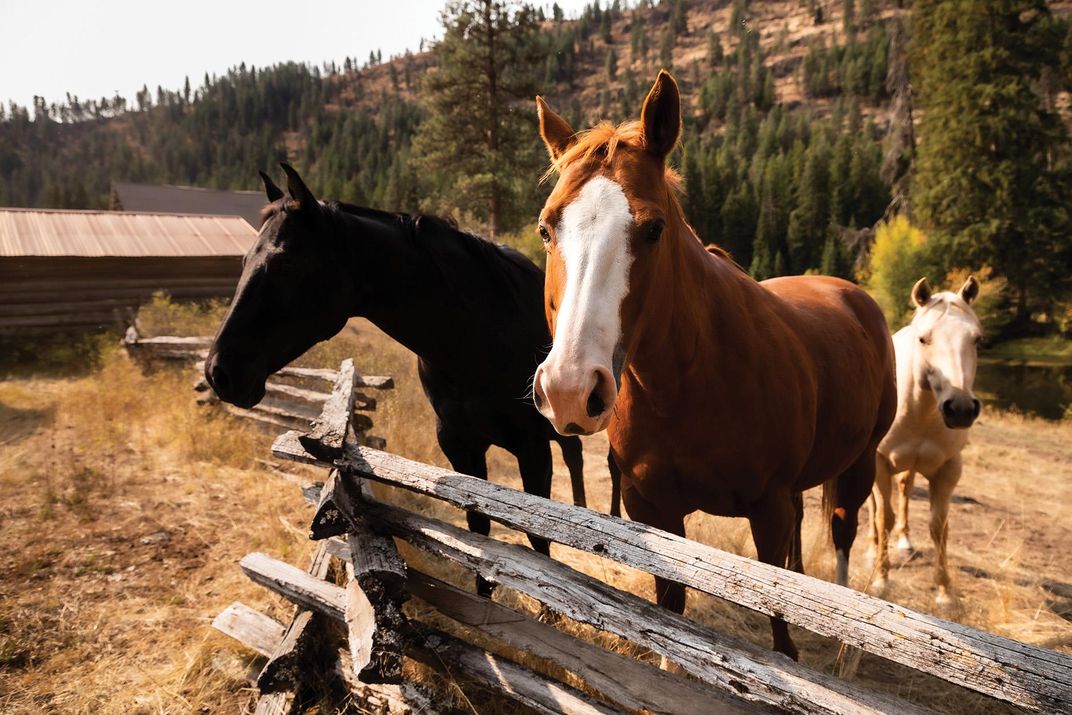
(527, 241)
(164, 316)
(899, 258)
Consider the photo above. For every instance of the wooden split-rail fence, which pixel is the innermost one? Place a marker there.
(360, 632)
(294, 396)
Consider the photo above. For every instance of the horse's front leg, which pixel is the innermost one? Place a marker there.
(941, 492)
(899, 535)
(467, 455)
(668, 594)
(534, 463)
(773, 521)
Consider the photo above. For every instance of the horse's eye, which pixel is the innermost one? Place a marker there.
(545, 234)
(978, 339)
(924, 340)
(655, 230)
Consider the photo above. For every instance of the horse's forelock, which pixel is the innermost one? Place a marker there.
(604, 140)
(947, 302)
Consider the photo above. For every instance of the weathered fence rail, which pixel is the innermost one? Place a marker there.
(356, 528)
(294, 395)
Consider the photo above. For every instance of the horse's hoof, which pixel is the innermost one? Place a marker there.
(878, 586)
(904, 545)
(944, 599)
(484, 587)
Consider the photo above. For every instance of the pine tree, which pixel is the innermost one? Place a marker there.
(989, 183)
(715, 54)
(848, 17)
(680, 18)
(479, 147)
(666, 48)
(611, 65)
(809, 220)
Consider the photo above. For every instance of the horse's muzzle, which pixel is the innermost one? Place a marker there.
(575, 402)
(236, 387)
(960, 412)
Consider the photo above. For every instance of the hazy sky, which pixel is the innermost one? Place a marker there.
(93, 49)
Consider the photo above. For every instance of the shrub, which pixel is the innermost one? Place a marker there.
(899, 258)
(527, 241)
(164, 316)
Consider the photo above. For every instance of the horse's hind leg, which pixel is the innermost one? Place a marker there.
(573, 456)
(881, 516)
(905, 482)
(773, 521)
(941, 491)
(796, 546)
(853, 487)
(466, 456)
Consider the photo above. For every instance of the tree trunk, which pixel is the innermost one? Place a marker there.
(494, 217)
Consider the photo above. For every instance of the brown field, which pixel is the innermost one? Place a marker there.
(126, 508)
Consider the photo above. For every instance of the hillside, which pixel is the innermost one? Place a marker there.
(250, 117)
(777, 77)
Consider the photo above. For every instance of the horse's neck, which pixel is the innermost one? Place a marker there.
(402, 290)
(405, 291)
(695, 305)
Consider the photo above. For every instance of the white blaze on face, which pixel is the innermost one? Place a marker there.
(575, 388)
(593, 240)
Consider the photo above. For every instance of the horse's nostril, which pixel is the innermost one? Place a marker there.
(537, 399)
(947, 407)
(976, 407)
(596, 406)
(220, 381)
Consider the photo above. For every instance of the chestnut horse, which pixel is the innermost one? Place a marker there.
(719, 393)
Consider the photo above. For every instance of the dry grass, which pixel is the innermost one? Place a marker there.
(127, 507)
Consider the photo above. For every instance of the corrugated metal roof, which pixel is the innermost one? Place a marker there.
(33, 232)
(154, 198)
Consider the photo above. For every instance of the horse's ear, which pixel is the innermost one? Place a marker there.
(970, 290)
(921, 292)
(297, 188)
(661, 116)
(273, 192)
(556, 132)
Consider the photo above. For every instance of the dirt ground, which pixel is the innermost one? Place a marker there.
(126, 508)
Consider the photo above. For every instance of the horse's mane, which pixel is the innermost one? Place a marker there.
(725, 255)
(424, 226)
(603, 141)
(442, 241)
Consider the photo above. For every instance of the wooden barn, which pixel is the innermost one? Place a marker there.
(80, 270)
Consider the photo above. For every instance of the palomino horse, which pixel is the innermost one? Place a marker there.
(936, 357)
(718, 393)
(471, 311)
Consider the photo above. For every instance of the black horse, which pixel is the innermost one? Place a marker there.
(472, 311)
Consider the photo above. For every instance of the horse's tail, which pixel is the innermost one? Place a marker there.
(830, 499)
